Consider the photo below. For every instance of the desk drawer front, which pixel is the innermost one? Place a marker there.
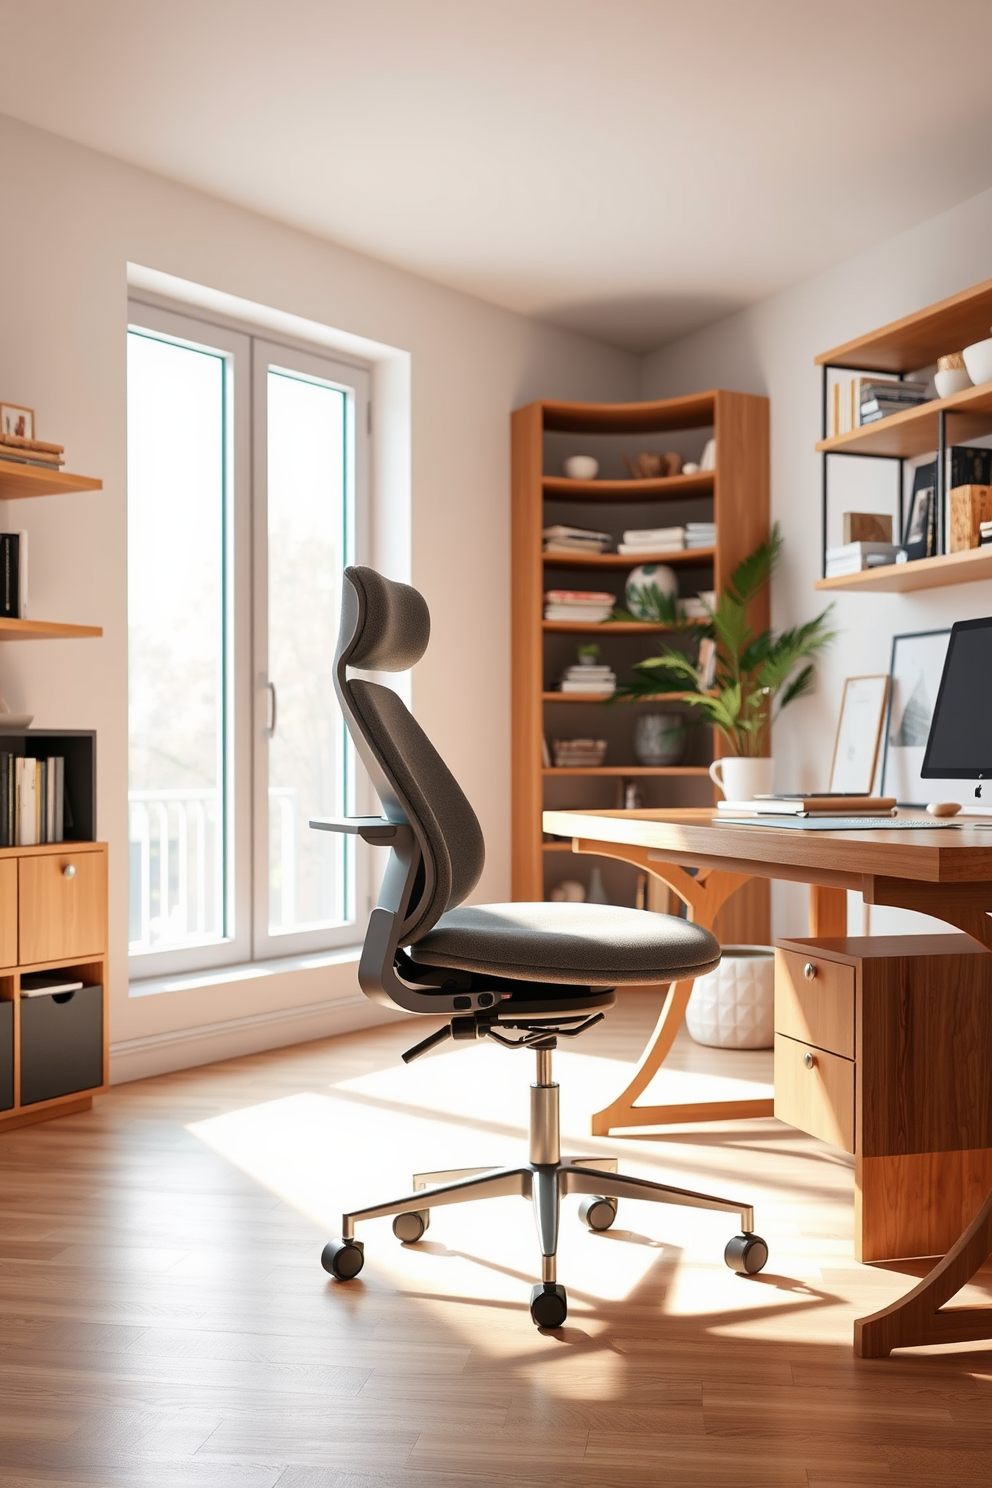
(814, 1001)
(814, 1091)
(62, 905)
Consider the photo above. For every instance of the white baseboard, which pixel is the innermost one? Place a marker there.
(163, 1053)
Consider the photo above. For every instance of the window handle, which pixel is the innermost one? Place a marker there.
(273, 709)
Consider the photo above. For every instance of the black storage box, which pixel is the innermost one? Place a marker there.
(61, 1044)
(6, 1055)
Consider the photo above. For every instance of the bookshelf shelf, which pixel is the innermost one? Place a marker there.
(604, 697)
(663, 488)
(45, 630)
(18, 482)
(672, 772)
(687, 557)
(615, 627)
(916, 431)
(919, 339)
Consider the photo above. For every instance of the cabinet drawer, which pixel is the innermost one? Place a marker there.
(814, 1091)
(6, 1055)
(815, 1006)
(62, 906)
(61, 1044)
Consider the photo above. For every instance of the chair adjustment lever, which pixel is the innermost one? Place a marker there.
(427, 1044)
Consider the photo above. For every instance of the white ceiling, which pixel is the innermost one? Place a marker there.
(631, 169)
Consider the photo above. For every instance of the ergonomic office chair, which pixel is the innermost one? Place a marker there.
(542, 971)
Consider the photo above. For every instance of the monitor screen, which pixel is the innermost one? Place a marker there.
(960, 742)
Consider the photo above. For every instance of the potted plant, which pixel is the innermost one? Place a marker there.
(738, 681)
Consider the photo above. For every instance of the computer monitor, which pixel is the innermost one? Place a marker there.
(960, 743)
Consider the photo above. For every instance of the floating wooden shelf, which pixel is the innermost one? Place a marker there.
(45, 630)
(914, 432)
(919, 339)
(664, 488)
(604, 697)
(689, 557)
(926, 573)
(617, 627)
(17, 482)
(698, 770)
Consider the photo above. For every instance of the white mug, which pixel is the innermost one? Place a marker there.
(742, 779)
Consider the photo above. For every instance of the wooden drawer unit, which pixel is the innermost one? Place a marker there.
(53, 918)
(62, 905)
(886, 1051)
(814, 1091)
(814, 1001)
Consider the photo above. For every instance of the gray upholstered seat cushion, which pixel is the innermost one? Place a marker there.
(588, 944)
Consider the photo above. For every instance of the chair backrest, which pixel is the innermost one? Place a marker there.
(386, 626)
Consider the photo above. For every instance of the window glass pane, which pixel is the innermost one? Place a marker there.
(311, 874)
(176, 642)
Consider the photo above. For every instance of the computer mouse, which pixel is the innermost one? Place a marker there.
(944, 808)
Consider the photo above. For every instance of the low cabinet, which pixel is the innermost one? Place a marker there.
(883, 1047)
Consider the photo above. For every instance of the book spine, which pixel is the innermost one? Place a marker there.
(9, 579)
(59, 798)
(22, 575)
(4, 812)
(50, 799)
(39, 802)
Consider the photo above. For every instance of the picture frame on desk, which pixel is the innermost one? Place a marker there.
(859, 735)
(914, 681)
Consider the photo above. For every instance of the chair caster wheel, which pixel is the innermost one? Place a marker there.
(747, 1254)
(598, 1213)
(343, 1258)
(548, 1304)
(410, 1227)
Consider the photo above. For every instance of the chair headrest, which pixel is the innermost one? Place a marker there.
(394, 623)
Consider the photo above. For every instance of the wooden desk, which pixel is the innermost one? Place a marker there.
(945, 874)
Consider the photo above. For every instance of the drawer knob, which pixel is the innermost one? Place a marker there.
(69, 871)
(809, 971)
(809, 1060)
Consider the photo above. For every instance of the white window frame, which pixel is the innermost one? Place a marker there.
(248, 356)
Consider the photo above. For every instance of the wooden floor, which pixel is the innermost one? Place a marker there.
(164, 1320)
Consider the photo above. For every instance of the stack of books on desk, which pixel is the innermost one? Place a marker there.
(700, 534)
(591, 679)
(587, 606)
(824, 805)
(562, 539)
(31, 451)
(853, 557)
(644, 540)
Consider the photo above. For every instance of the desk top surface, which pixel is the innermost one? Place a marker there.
(958, 855)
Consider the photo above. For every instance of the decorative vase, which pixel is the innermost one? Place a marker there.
(645, 577)
(733, 1007)
(742, 779)
(581, 467)
(659, 739)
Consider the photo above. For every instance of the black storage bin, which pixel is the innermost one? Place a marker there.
(6, 1055)
(61, 1044)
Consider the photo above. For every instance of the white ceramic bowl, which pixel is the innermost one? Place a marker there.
(952, 380)
(581, 467)
(978, 360)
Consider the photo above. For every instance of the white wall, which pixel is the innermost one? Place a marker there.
(73, 219)
(769, 349)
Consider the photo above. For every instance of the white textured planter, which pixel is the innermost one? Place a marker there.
(734, 1006)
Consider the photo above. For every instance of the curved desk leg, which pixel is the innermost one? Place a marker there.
(703, 897)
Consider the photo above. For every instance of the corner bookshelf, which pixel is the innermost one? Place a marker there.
(903, 347)
(734, 495)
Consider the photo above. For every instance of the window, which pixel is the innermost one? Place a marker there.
(246, 463)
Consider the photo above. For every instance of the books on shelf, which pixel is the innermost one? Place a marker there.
(30, 451)
(643, 540)
(700, 534)
(864, 399)
(571, 754)
(590, 679)
(562, 539)
(588, 606)
(697, 606)
(14, 575)
(853, 557)
(32, 800)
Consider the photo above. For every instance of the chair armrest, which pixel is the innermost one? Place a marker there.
(369, 828)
